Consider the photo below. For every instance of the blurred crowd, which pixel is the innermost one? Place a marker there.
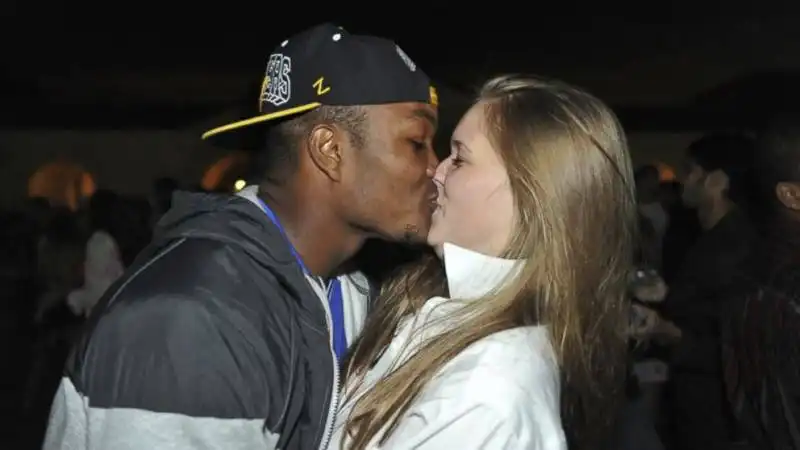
(55, 264)
(704, 231)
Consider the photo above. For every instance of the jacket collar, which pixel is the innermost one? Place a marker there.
(472, 275)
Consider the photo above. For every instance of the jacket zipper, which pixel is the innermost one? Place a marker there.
(334, 404)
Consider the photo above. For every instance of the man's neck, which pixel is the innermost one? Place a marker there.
(321, 239)
(710, 217)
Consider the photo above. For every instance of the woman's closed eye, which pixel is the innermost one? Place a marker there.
(455, 160)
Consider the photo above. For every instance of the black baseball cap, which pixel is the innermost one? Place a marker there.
(326, 65)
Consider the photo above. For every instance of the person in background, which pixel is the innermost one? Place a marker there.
(133, 217)
(648, 191)
(227, 332)
(716, 179)
(60, 259)
(514, 337)
(637, 429)
(103, 264)
(38, 210)
(761, 354)
(21, 235)
(682, 232)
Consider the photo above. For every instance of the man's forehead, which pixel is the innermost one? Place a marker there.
(409, 111)
(426, 112)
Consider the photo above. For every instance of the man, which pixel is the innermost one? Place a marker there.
(716, 183)
(682, 231)
(222, 335)
(761, 354)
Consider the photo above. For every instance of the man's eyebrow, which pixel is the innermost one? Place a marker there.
(427, 115)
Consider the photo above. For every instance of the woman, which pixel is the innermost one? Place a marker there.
(103, 263)
(520, 333)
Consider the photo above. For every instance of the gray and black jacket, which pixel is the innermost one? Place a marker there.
(212, 339)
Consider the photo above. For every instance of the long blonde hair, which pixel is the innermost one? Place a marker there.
(571, 178)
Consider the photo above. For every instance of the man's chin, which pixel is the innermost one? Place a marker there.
(414, 234)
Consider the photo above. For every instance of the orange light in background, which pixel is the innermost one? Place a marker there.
(665, 172)
(225, 172)
(62, 184)
(88, 186)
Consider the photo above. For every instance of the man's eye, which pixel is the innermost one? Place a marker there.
(418, 145)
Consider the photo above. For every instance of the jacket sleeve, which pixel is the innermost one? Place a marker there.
(168, 372)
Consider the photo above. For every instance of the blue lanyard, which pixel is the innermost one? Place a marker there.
(335, 299)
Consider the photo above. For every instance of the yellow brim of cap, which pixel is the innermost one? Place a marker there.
(260, 119)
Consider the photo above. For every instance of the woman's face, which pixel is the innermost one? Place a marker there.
(475, 204)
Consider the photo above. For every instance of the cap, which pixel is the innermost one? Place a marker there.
(326, 65)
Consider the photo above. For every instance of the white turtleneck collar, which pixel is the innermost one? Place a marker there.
(472, 275)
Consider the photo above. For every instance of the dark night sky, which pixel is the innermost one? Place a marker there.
(90, 57)
(222, 39)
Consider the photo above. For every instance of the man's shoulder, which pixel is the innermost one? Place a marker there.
(195, 281)
(195, 267)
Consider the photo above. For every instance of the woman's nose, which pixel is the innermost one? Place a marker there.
(440, 173)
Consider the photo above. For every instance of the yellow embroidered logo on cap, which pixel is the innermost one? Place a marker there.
(434, 96)
(321, 90)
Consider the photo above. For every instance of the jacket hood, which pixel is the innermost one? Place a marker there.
(226, 218)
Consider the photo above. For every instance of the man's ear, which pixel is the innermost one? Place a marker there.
(325, 150)
(788, 194)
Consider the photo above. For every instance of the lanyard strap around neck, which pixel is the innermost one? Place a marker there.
(334, 290)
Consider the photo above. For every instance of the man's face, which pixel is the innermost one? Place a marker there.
(692, 179)
(393, 192)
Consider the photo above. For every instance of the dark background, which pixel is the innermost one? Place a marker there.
(134, 64)
(124, 89)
